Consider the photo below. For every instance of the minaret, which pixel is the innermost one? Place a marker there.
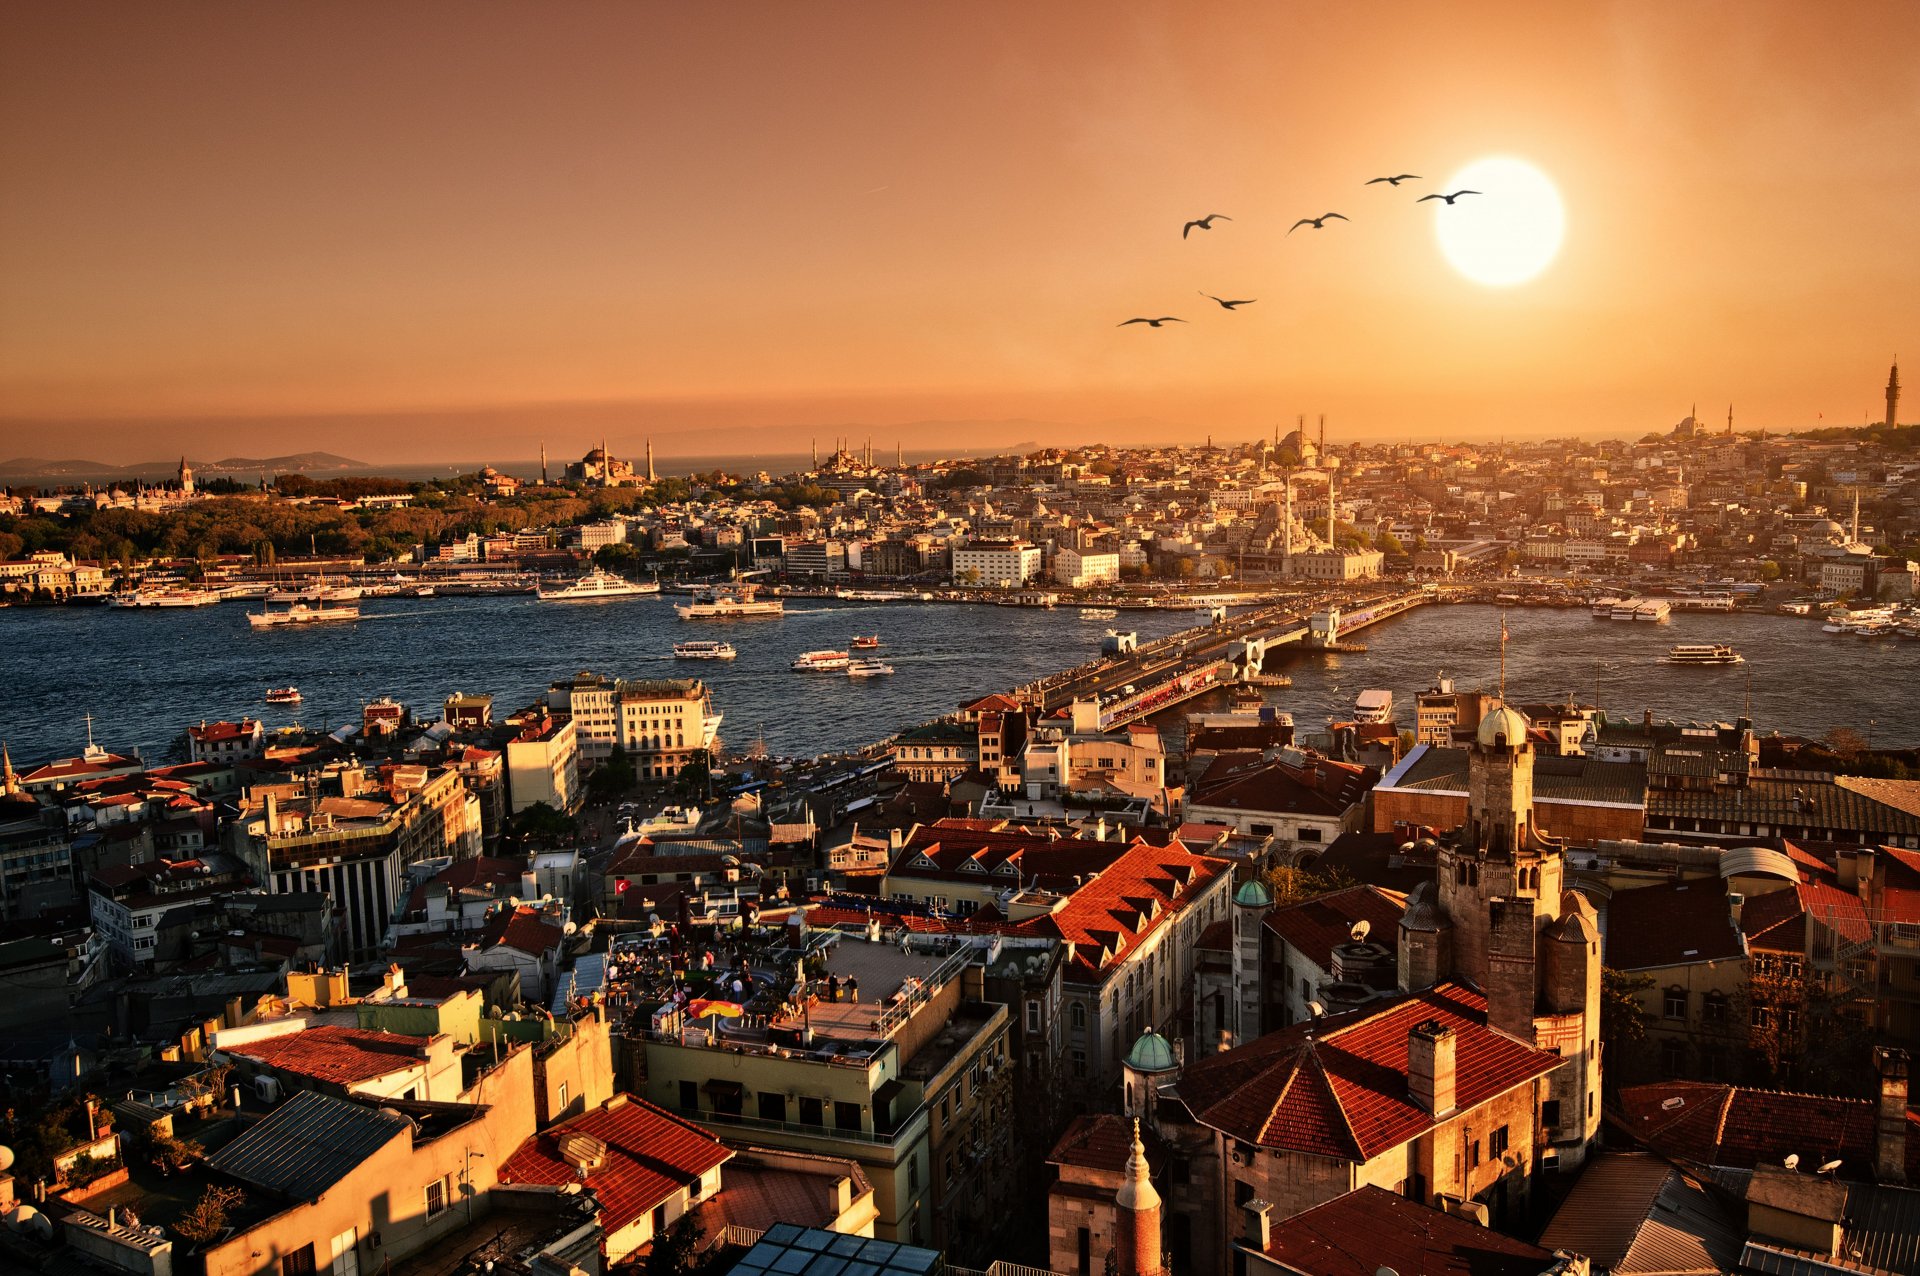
(816, 454)
(1329, 505)
(1893, 395)
(1729, 420)
(897, 454)
(1323, 438)
(9, 782)
(650, 474)
(543, 465)
(1136, 1240)
(186, 478)
(1854, 537)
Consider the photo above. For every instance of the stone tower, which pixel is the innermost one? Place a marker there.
(1501, 918)
(1136, 1240)
(1250, 904)
(1893, 396)
(186, 478)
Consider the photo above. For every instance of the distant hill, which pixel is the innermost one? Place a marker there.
(31, 468)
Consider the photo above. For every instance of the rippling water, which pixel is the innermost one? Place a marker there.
(146, 675)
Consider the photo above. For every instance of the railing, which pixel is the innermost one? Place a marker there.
(744, 1237)
(722, 1120)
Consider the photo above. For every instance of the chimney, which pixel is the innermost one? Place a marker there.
(1890, 1140)
(842, 1195)
(1430, 1049)
(1259, 1232)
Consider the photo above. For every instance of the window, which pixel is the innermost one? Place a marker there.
(1497, 1143)
(563, 1094)
(1033, 1017)
(1713, 1009)
(1673, 1057)
(436, 1196)
(1550, 1113)
(1674, 1004)
(659, 1220)
(1079, 1063)
(1078, 1015)
(1307, 834)
(773, 1106)
(1473, 1155)
(298, 1262)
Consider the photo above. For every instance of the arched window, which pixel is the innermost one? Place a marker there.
(1078, 1015)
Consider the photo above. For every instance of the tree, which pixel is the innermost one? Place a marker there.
(1388, 543)
(1290, 885)
(1623, 1018)
(1845, 741)
(207, 1218)
(676, 1251)
(541, 823)
(612, 777)
(1769, 570)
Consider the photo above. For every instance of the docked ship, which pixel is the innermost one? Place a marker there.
(167, 598)
(1603, 607)
(596, 586)
(704, 649)
(729, 604)
(1651, 610)
(1099, 613)
(821, 662)
(303, 614)
(317, 592)
(1375, 704)
(868, 668)
(1705, 653)
(283, 695)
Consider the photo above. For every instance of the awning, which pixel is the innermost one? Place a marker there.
(883, 1097)
(730, 1088)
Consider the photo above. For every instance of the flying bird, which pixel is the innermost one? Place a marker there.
(1318, 223)
(1393, 181)
(1449, 198)
(1204, 223)
(1155, 323)
(1228, 305)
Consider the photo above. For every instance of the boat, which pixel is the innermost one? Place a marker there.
(302, 614)
(596, 586)
(1603, 608)
(703, 649)
(167, 598)
(1375, 704)
(1704, 653)
(1652, 610)
(317, 592)
(729, 604)
(283, 695)
(1099, 613)
(821, 662)
(865, 642)
(868, 668)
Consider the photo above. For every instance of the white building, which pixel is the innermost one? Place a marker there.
(543, 765)
(1078, 569)
(1001, 564)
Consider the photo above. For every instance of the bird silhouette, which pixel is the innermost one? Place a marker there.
(1204, 223)
(1449, 198)
(1393, 181)
(1228, 305)
(1155, 323)
(1318, 223)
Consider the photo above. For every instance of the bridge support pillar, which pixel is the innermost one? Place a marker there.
(1323, 628)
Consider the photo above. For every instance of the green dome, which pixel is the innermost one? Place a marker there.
(1151, 1054)
(1253, 893)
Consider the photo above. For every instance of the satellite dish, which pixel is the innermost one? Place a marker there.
(1360, 931)
(1828, 1168)
(1315, 1009)
(1793, 1161)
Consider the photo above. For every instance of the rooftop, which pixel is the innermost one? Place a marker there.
(1372, 1229)
(646, 1156)
(1673, 924)
(307, 1144)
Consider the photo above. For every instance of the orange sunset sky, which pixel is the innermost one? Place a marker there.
(409, 232)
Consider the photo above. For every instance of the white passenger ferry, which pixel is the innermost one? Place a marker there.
(821, 662)
(596, 586)
(1705, 653)
(704, 649)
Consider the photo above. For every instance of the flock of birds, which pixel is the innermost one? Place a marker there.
(1318, 223)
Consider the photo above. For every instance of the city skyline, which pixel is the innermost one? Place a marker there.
(414, 235)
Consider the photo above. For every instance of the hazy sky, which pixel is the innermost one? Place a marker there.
(454, 230)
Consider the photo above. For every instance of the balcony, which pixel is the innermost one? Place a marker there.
(912, 1128)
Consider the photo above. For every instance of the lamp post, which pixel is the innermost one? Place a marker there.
(466, 1181)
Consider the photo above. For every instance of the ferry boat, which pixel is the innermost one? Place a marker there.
(822, 662)
(1652, 610)
(868, 668)
(703, 649)
(596, 586)
(317, 592)
(166, 598)
(730, 604)
(283, 695)
(1375, 704)
(302, 614)
(1603, 608)
(1705, 653)
(1099, 613)
(865, 642)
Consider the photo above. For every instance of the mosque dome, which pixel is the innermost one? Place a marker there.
(1253, 893)
(1503, 727)
(1151, 1053)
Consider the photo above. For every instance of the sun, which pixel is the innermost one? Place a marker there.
(1508, 233)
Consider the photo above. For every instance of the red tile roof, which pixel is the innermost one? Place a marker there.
(1738, 1128)
(946, 852)
(1673, 924)
(476, 871)
(1316, 926)
(1373, 1229)
(1337, 1087)
(651, 1156)
(1104, 1141)
(523, 928)
(338, 1055)
(213, 732)
(1320, 787)
(1107, 918)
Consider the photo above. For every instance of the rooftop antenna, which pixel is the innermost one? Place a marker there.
(1503, 656)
